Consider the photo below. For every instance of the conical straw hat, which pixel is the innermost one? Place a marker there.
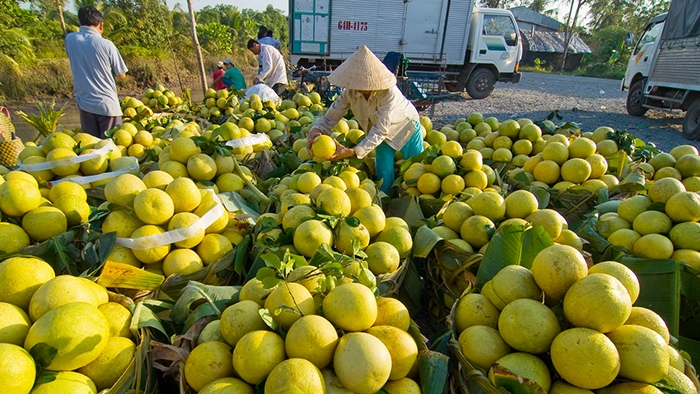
(363, 71)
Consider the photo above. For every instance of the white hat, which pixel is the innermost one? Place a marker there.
(362, 71)
(219, 64)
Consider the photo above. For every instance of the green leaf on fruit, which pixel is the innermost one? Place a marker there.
(43, 354)
(515, 384)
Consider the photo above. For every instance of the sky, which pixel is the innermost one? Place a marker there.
(241, 4)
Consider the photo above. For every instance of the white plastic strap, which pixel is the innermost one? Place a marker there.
(68, 160)
(180, 234)
(81, 180)
(254, 139)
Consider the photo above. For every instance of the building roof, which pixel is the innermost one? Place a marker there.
(525, 14)
(551, 41)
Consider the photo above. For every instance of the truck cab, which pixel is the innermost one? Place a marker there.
(641, 61)
(494, 51)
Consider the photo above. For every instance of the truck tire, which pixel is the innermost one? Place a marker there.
(635, 99)
(480, 83)
(691, 122)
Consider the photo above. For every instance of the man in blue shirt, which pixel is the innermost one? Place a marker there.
(94, 62)
(232, 77)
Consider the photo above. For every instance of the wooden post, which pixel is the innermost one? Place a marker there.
(60, 17)
(197, 48)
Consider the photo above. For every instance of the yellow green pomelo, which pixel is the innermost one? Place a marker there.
(511, 283)
(123, 189)
(552, 221)
(688, 165)
(75, 210)
(66, 382)
(154, 206)
(680, 382)
(309, 236)
(483, 345)
(13, 238)
(643, 353)
(562, 387)
(653, 246)
(528, 325)
(106, 369)
(476, 229)
(208, 362)
(647, 318)
(620, 272)
(312, 338)
(119, 319)
(334, 202)
(254, 290)
(373, 218)
(475, 309)
(240, 319)
(685, 235)
(17, 369)
(392, 312)
(14, 324)
(227, 386)
(21, 277)
(676, 360)
(556, 268)
(520, 204)
(665, 188)
(323, 147)
(18, 196)
(150, 255)
(185, 195)
(399, 237)
(456, 213)
(58, 291)
(295, 376)
(652, 222)
(78, 331)
(296, 300)
(351, 306)
(347, 234)
(488, 204)
(121, 221)
(630, 388)
(401, 346)
(256, 354)
(382, 258)
(362, 363)
(598, 301)
(524, 365)
(585, 358)
(44, 222)
(629, 208)
(684, 207)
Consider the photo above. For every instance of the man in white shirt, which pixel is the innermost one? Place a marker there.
(390, 120)
(273, 72)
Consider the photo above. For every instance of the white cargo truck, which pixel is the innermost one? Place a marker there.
(471, 48)
(664, 68)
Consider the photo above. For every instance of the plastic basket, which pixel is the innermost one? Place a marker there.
(9, 151)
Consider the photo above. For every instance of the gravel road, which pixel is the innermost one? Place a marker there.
(591, 102)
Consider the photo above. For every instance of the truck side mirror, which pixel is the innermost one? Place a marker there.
(629, 39)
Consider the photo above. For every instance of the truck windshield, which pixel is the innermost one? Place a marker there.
(650, 35)
(500, 25)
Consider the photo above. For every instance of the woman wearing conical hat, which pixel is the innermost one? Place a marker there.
(390, 121)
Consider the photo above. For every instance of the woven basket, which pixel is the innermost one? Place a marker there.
(9, 151)
(7, 130)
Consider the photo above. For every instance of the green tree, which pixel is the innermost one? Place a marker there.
(632, 15)
(538, 5)
(146, 23)
(214, 37)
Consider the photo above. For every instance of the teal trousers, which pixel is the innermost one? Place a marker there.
(385, 155)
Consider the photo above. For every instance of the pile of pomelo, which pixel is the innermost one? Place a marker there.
(663, 223)
(600, 343)
(62, 326)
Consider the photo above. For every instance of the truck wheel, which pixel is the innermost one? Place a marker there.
(635, 99)
(691, 122)
(480, 83)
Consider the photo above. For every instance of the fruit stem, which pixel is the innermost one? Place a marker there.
(248, 183)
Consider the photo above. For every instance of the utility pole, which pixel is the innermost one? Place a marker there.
(197, 48)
